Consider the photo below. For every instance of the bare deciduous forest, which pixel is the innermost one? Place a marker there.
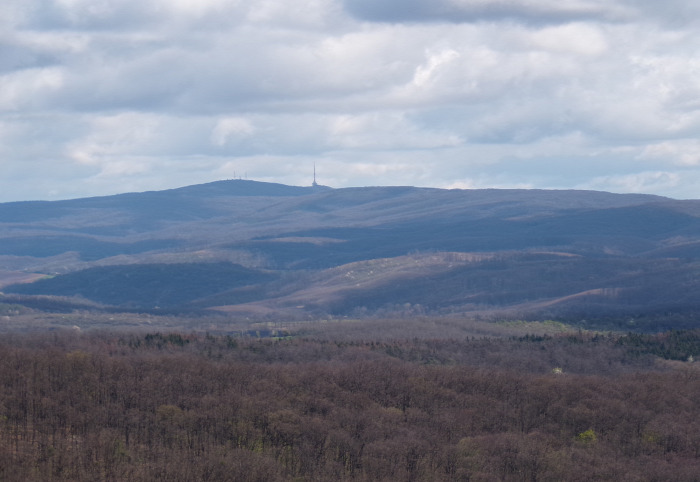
(240, 330)
(183, 407)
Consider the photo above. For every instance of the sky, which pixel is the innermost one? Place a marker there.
(100, 97)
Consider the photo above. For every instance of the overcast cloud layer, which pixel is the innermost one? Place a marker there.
(107, 96)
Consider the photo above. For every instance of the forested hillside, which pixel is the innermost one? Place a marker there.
(260, 251)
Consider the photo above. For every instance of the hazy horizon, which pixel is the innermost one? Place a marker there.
(321, 185)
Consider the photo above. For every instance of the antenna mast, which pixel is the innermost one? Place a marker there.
(314, 184)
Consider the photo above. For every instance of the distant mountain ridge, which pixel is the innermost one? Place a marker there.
(288, 240)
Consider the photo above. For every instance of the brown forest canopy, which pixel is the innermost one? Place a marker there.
(172, 406)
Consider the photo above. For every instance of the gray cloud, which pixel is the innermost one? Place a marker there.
(98, 97)
(532, 11)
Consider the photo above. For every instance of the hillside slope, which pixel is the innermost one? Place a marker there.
(248, 247)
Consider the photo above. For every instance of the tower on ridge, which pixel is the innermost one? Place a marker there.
(314, 184)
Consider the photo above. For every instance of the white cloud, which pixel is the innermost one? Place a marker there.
(384, 130)
(156, 93)
(682, 152)
(487, 183)
(424, 73)
(113, 136)
(198, 8)
(27, 88)
(230, 128)
(576, 39)
(655, 182)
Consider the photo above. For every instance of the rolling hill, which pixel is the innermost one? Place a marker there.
(254, 249)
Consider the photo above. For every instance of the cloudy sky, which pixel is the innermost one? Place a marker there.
(107, 96)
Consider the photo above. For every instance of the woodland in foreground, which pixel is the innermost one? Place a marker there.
(183, 407)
